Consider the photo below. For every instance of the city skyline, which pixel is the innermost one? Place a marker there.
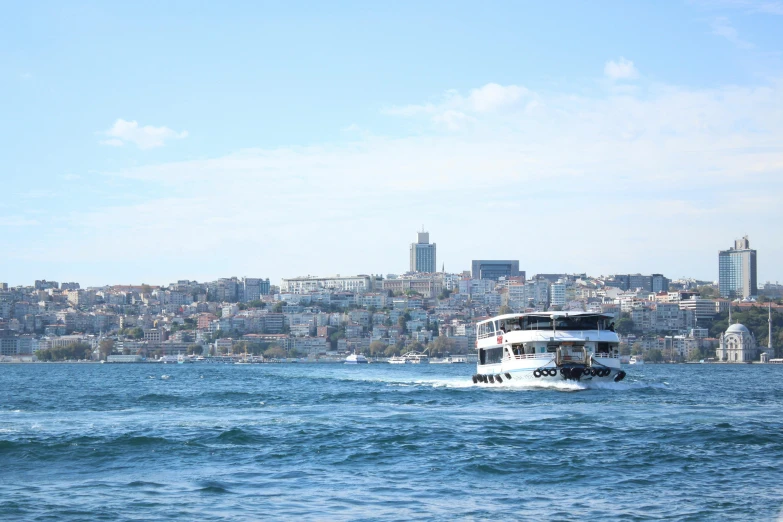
(148, 143)
(314, 273)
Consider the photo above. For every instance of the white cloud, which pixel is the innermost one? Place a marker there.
(493, 96)
(16, 221)
(146, 137)
(749, 6)
(621, 69)
(605, 172)
(722, 27)
(455, 110)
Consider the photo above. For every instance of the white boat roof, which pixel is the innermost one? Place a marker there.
(549, 314)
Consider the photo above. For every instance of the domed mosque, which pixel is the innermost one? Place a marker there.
(737, 344)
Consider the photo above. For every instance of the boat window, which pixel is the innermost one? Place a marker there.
(537, 323)
(491, 327)
(581, 322)
(491, 355)
(510, 324)
(551, 348)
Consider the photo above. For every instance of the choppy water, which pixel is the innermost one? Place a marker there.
(386, 442)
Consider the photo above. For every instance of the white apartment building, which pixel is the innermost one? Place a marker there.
(557, 294)
(703, 309)
(305, 285)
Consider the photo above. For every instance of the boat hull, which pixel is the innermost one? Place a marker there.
(602, 370)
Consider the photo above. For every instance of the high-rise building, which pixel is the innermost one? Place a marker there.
(650, 283)
(737, 270)
(494, 269)
(423, 254)
(252, 288)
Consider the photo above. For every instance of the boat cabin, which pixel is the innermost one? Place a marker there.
(566, 336)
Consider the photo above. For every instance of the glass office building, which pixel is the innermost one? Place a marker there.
(423, 254)
(737, 270)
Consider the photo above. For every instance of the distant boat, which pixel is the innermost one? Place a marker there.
(410, 358)
(356, 358)
(636, 360)
(453, 359)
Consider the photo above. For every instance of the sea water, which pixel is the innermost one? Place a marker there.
(387, 442)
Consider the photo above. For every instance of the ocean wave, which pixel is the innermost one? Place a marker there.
(236, 436)
(213, 488)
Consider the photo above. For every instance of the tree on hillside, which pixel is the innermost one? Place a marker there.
(105, 347)
(377, 348)
(74, 351)
(625, 325)
(708, 292)
(275, 352)
(415, 346)
(442, 346)
(654, 355)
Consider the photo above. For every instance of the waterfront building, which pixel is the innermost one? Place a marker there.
(737, 345)
(422, 254)
(737, 270)
(155, 336)
(494, 269)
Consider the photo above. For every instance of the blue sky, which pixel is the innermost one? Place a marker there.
(148, 141)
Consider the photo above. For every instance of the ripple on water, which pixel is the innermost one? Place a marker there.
(326, 442)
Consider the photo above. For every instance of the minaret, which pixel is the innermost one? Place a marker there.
(729, 313)
(769, 336)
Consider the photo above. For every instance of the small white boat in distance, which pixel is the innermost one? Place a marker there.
(398, 359)
(636, 360)
(410, 358)
(549, 346)
(452, 359)
(356, 358)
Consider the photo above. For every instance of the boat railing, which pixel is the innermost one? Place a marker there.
(565, 357)
(531, 356)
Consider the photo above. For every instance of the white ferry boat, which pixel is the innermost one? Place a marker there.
(452, 359)
(577, 346)
(410, 358)
(356, 358)
(636, 360)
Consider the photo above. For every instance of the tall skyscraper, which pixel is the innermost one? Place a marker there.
(423, 253)
(737, 270)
